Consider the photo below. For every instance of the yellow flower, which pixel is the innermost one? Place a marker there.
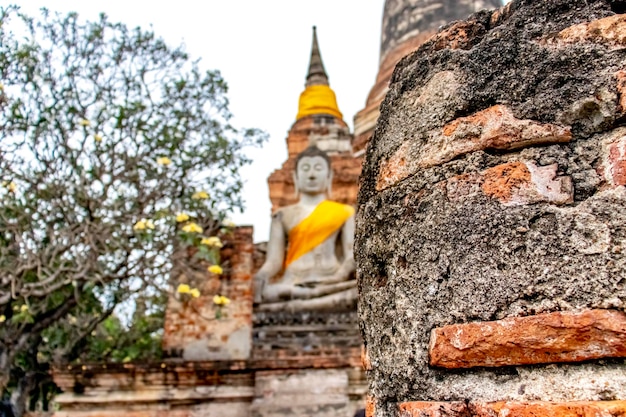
(24, 308)
(195, 293)
(142, 225)
(182, 217)
(221, 300)
(10, 185)
(1, 86)
(139, 226)
(212, 241)
(183, 289)
(229, 223)
(164, 160)
(200, 195)
(192, 228)
(215, 269)
(3, 318)
(84, 122)
(97, 138)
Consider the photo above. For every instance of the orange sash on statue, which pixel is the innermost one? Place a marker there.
(325, 220)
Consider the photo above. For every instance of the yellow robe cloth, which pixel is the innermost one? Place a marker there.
(326, 219)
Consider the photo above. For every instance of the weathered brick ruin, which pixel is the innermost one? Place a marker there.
(491, 231)
(406, 25)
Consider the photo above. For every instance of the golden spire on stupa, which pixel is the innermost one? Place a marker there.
(317, 97)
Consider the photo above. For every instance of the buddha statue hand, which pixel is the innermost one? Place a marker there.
(315, 281)
(259, 286)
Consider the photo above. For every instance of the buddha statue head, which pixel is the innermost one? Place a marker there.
(313, 174)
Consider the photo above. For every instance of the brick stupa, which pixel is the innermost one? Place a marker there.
(318, 122)
(407, 24)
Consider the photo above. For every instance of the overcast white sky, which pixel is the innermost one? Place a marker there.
(262, 49)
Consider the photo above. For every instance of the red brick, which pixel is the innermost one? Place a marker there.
(620, 76)
(519, 183)
(370, 406)
(501, 181)
(513, 409)
(493, 128)
(365, 359)
(609, 31)
(514, 183)
(459, 35)
(548, 409)
(497, 128)
(616, 160)
(432, 409)
(544, 338)
(190, 320)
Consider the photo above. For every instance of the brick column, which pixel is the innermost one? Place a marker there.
(491, 232)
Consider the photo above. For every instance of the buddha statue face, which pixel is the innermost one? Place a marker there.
(313, 175)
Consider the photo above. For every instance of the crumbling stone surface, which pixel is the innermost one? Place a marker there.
(494, 187)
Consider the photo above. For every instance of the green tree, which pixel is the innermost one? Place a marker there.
(109, 139)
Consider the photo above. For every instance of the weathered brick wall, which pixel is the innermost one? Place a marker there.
(178, 389)
(191, 330)
(406, 25)
(330, 386)
(491, 229)
(310, 392)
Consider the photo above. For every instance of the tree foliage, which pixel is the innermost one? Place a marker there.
(116, 154)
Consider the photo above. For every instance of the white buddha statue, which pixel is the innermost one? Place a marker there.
(311, 243)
